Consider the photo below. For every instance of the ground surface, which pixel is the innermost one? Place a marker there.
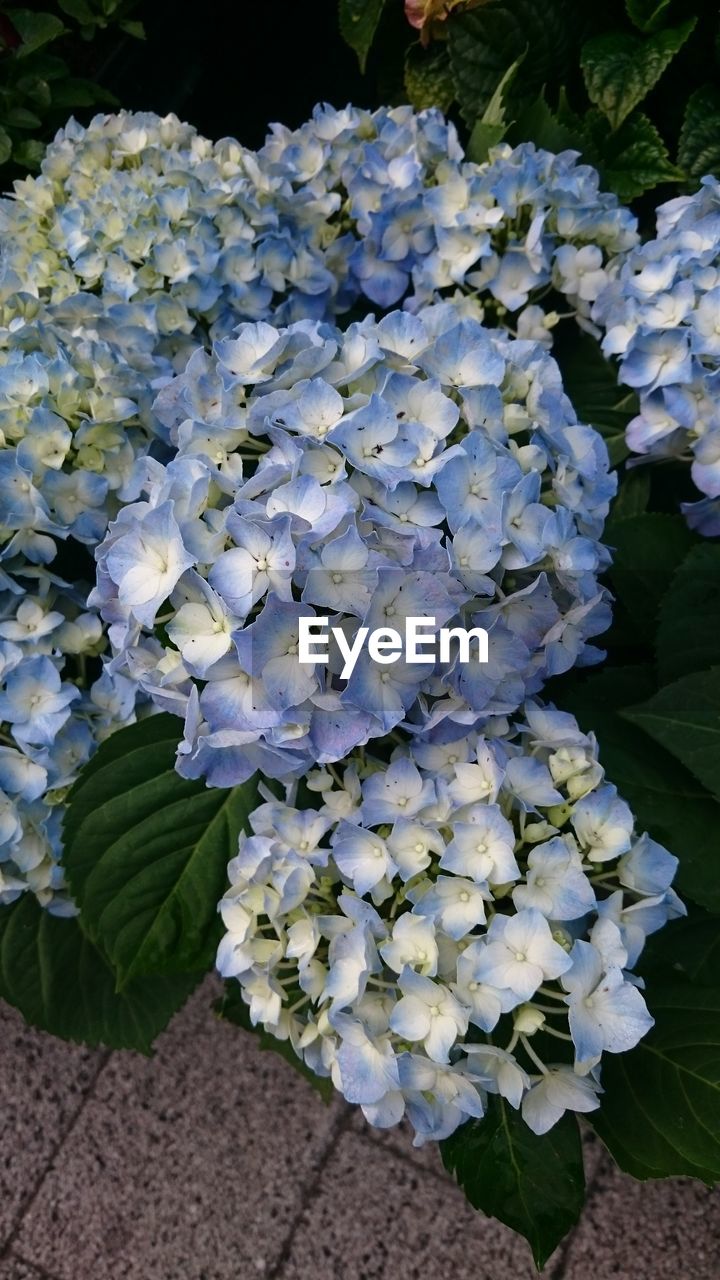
(214, 1161)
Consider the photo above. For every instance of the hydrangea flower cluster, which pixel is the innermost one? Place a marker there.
(661, 316)
(420, 222)
(144, 209)
(123, 207)
(74, 414)
(55, 707)
(458, 922)
(419, 466)
(353, 205)
(137, 239)
(76, 388)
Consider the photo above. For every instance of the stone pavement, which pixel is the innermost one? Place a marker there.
(214, 1161)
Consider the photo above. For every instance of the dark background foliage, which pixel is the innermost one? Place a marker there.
(228, 67)
(234, 67)
(634, 85)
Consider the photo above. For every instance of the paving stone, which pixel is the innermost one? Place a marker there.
(188, 1166)
(42, 1085)
(667, 1230)
(198, 1165)
(373, 1216)
(399, 1140)
(12, 1268)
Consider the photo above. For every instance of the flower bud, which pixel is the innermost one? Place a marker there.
(527, 1020)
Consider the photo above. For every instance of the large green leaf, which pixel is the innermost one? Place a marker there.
(534, 1185)
(161, 731)
(632, 496)
(699, 147)
(147, 852)
(647, 549)
(76, 92)
(233, 1009)
(660, 1113)
(34, 29)
(486, 41)
(687, 948)
(536, 123)
(62, 983)
(684, 717)
(666, 799)
(621, 69)
(428, 78)
(634, 158)
(688, 635)
(591, 383)
(22, 118)
(359, 20)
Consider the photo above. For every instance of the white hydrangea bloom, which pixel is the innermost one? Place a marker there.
(480, 945)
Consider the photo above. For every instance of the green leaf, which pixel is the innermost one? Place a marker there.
(486, 41)
(428, 78)
(687, 949)
(133, 28)
(36, 90)
(21, 118)
(684, 717)
(495, 112)
(34, 29)
(147, 851)
(77, 9)
(634, 158)
(591, 383)
(621, 69)
(660, 1112)
(359, 20)
(647, 550)
(632, 496)
(689, 626)
(537, 123)
(482, 139)
(699, 146)
(61, 983)
(76, 92)
(647, 14)
(49, 66)
(492, 125)
(29, 153)
(5, 146)
(666, 800)
(534, 1185)
(161, 730)
(232, 1008)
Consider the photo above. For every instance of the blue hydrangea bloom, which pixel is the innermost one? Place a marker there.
(419, 466)
(139, 240)
(659, 314)
(354, 205)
